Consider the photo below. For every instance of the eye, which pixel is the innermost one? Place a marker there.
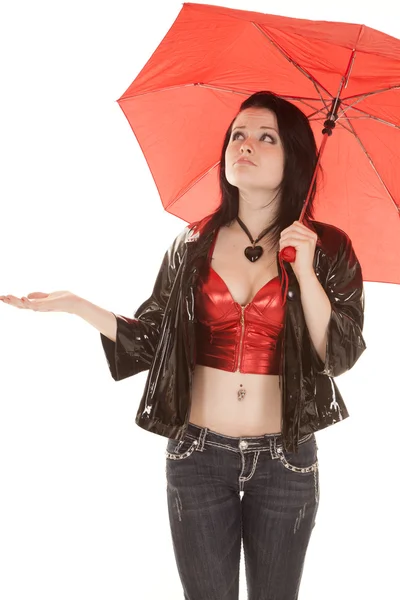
(234, 136)
(268, 135)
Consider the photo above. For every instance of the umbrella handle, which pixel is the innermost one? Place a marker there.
(288, 254)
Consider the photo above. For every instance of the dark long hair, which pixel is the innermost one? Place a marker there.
(300, 152)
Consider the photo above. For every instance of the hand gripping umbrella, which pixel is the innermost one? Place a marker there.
(345, 77)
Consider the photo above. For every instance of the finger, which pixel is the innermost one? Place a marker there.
(296, 234)
(295, 227)
(37, 295)
(14, 301)
(12, 298)
(287, 240)
(306, 230)
(32, 304)
(298, 225)
(301, 231)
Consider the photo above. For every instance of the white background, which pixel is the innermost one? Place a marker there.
(83, 510)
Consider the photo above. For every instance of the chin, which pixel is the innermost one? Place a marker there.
(243, 180)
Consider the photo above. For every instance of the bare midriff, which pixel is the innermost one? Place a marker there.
(215, 403)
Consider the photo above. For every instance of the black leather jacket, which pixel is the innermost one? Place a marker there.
(161, 338)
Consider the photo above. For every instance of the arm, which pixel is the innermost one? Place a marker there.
(131, 346)
(101, 319)
(341, 335)
(317, 312)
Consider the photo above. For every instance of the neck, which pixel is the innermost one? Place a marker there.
(257, 213)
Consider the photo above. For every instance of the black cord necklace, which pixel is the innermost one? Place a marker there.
(252, 253)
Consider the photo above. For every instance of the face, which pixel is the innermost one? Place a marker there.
(255, 136)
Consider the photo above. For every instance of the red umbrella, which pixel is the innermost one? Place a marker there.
(342, 75)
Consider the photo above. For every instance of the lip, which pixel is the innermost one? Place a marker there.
(245, 161)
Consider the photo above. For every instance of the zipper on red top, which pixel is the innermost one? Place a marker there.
(241, 338)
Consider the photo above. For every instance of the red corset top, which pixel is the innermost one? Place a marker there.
(232, 337)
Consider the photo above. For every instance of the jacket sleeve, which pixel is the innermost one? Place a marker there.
(137, 338)
(344, 287)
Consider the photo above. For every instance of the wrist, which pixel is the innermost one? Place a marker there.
(306, 276)
(75, 305)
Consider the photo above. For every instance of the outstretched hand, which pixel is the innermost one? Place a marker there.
(62, 301)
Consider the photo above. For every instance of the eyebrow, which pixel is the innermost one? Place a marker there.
(261, 127)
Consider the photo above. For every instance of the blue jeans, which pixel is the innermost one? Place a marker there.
(206, 471)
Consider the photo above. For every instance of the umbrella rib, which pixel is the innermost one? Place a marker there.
(212, 87)
(179, 86)
(295, 64)
(361, 97)
(367, 94)
(373, 117)
(319, 110)
(192, 184)
(344, 126)
(310, 116)
(246, 92)
(369, 116)
(352, 130)
(303, 100)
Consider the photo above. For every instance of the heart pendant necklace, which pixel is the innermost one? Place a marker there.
(252, 253)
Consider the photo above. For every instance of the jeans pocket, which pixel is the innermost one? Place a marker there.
(181, 450)
(303, 461)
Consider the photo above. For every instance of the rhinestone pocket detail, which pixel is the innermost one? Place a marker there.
(313, 467)
(186, 454)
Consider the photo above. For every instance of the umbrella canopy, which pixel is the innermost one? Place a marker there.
(182, 102)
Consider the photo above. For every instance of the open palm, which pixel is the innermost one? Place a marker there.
(60, 301)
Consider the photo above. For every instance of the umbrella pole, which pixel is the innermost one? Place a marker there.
(329, 126)
(288, 254)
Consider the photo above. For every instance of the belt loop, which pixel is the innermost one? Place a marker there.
(202, 439)
(273, 448)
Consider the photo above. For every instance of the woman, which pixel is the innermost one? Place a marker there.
(240, 380)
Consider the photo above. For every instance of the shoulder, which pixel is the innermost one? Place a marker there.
(179, 244)
(192, 232)
(333, 240)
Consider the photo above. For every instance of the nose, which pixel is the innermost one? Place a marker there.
(246, 147)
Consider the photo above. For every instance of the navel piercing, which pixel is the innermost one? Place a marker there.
(241, 393)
